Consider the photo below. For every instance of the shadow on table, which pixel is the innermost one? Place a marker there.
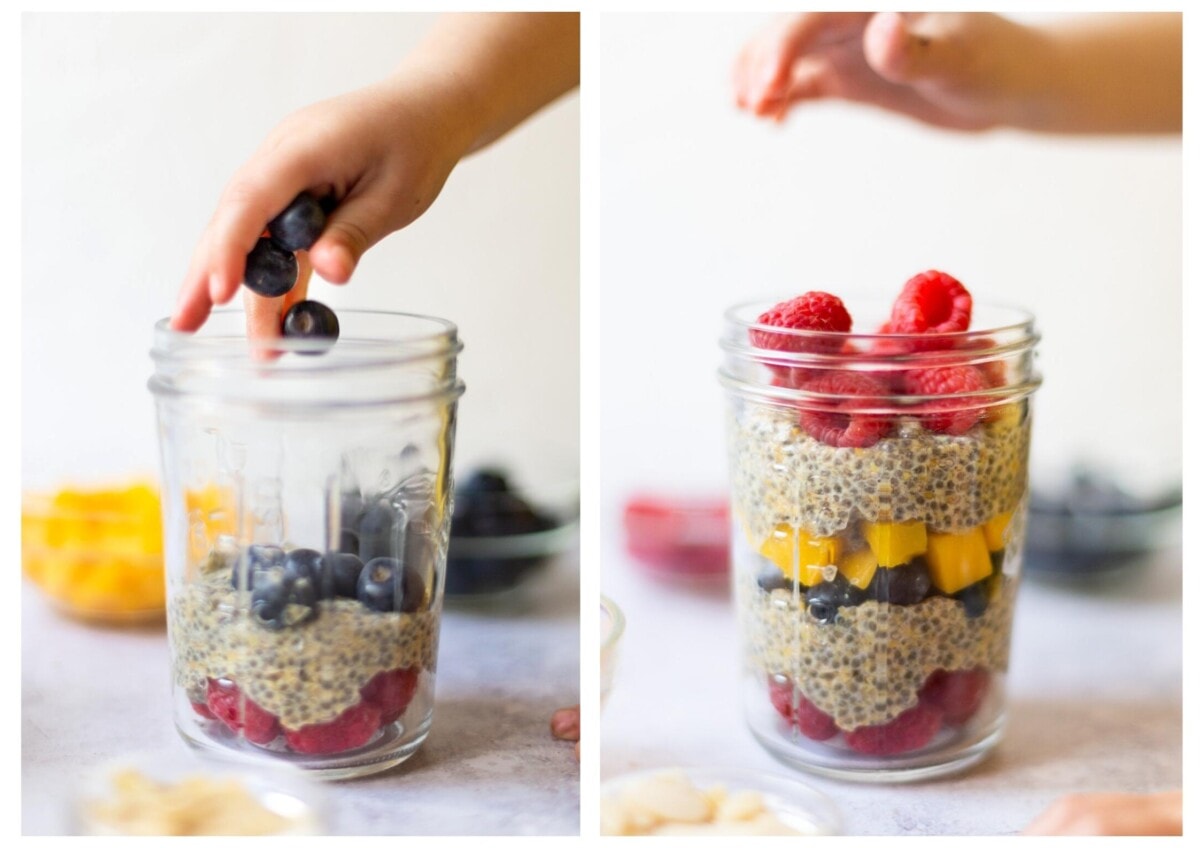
(1123, 745)
(482, 738)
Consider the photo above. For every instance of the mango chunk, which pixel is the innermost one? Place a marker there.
(956, 560)
(859, 567)
(994, 529)
(801, 557)
(895, 543)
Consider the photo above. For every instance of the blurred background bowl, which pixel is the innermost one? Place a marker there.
(96, 553)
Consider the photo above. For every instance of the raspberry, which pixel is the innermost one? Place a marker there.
(392, 691)
(832, 421)
(812, 722)
(932, 302)
(201, 709)
(811, 311)
(957, 694)
(912, 729)
(955, 416)
(353, 727)
(239, 713)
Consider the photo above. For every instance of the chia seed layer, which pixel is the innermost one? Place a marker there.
(304, 675)
(867, 666)
(781, 475)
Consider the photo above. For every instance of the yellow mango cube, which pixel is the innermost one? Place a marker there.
(895, 543)
(956, 560)
(994, 529)
(801, 557)
(859, 567)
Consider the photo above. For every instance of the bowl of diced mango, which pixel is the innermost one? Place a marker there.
(97, 553)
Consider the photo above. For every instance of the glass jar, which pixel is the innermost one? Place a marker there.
(877, 537)
(306, 503)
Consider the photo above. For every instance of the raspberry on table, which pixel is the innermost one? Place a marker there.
(957, 694)
(834, 423)
(809, 718)
(932, 302)
(352, 728)
(813, 310)
(912, 729)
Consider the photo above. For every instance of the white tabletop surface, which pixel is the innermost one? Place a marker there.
(489, 766)
(1095, 698)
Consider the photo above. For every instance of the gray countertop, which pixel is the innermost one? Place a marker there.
(1095, 700)
(489, 766)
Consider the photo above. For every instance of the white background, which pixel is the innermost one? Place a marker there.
(698, 206)
(132, 124)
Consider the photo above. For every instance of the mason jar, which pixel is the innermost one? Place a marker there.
(877, 536)
(306, 503)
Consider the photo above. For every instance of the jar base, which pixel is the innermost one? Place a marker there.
(390, 748)
(817, 758)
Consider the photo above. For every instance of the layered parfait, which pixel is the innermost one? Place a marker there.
(313, 654)
(878, 490)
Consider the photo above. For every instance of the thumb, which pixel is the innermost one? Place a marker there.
(357, 224)
(910, 47)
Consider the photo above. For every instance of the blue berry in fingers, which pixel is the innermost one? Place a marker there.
(311, 320)
(271, 271)
(299, 225)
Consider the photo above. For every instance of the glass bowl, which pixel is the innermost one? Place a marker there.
(503, 531)
(174, 794)
(96, 553)
(612, 626)
(796, 805)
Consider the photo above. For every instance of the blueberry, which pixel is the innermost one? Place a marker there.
(974, 598)
(299, 225)
(308, 565)
(386, 585)
(773, 579)
(496, 514)
(311, 320)
(258, 558)
(828, 596)
(280, 600)
(377, 532)
(270, 270)
(903, 585)
(483, 480)
(344, 569)
(328, 203)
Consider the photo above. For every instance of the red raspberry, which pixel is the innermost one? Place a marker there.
(807, 716)
(392, 691)
(239, 713)
(912, 729)
(353, 727)
(957, 694)
(811, 311)
(833, 422)
(953, 415)
(201, 709)
(932, 302)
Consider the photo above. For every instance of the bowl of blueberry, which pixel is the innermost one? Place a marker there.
(502, 533)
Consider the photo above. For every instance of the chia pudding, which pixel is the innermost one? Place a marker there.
(878, 519)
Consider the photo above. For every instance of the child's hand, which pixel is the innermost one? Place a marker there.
(1111, 814)
(963, 71)
(1118, 73)
(384, 152)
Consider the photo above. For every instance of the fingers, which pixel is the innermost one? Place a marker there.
(907, 48)
(258, 192)
(264, 315)
(564, 724)
(763, 71)
(355, 225)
